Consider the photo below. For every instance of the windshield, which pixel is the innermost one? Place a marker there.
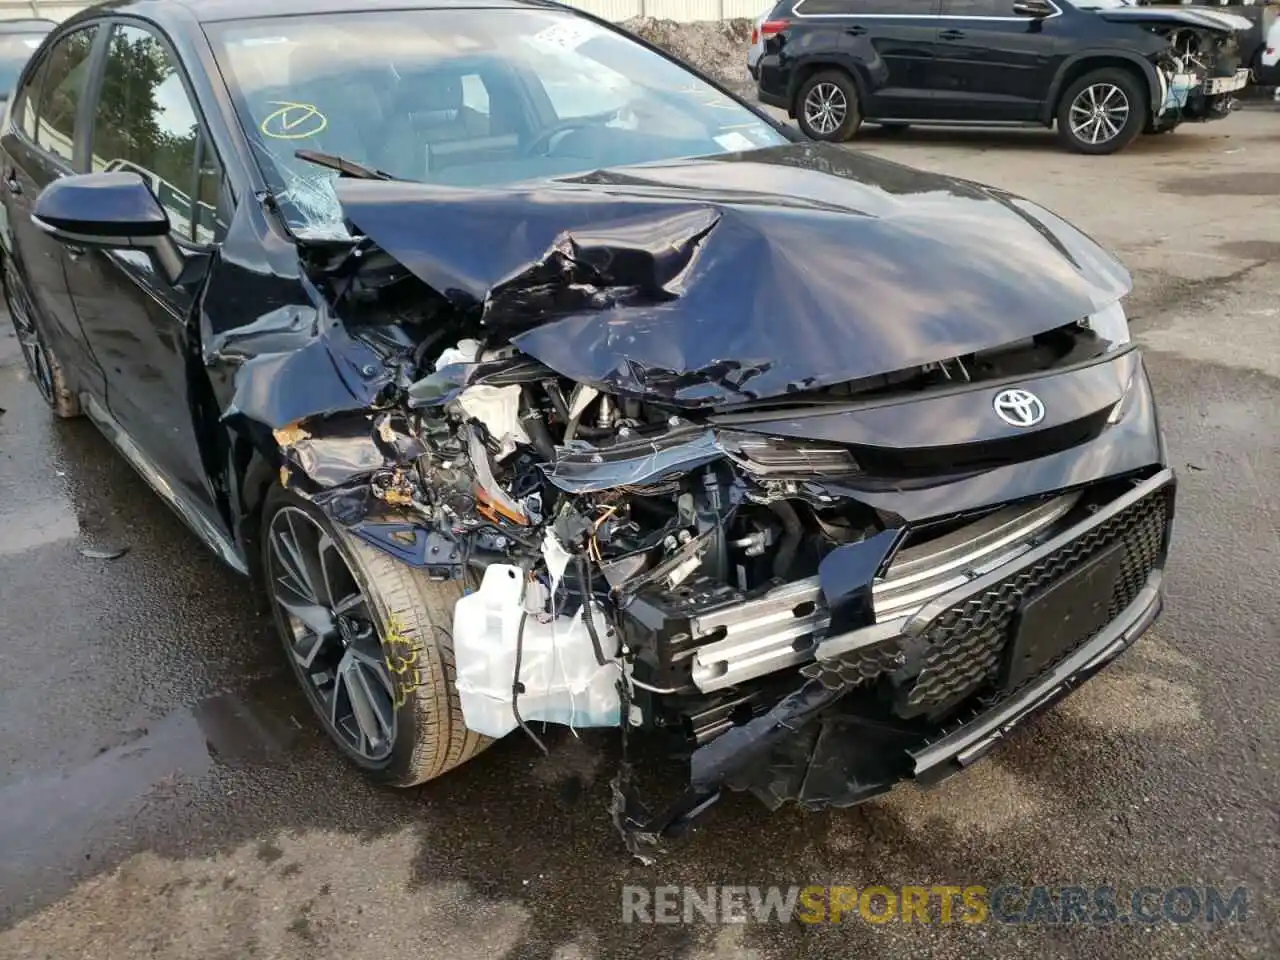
(15, 50)
(461, 98)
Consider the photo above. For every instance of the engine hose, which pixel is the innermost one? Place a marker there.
(576, 427)
(791, 534)
(588, 594)
(536, 427)
(556, 395)
(427, 342)
(517, 687)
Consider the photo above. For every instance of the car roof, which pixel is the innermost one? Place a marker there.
(210, 11)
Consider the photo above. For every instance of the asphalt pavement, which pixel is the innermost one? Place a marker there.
(164, 793)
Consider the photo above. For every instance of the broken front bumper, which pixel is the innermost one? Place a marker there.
(1189, 97)
(956, 750)
(961, 672)
(1217, 86)
(743, 641)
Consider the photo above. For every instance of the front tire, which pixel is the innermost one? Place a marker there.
(369, 640)
(826, 107)
(1102, 112)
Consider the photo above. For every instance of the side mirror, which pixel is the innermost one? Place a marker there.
(109, 211)
(1034, 8)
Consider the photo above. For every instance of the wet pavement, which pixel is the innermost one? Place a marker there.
(163, 791)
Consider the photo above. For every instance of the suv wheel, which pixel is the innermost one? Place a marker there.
(369, 641)
(826, 107)
(46, 371)
(1102, 112)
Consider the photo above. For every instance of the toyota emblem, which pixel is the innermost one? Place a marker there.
(1019, 408)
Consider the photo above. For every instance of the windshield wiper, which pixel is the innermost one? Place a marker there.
(348, 168)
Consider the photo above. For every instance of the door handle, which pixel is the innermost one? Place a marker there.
(75, 253)
(951, 35)
(855, 31)
(12, 182)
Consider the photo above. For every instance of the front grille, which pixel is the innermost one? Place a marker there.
(965, 643)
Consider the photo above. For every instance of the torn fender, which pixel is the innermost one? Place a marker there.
(331, 373)
(335, 451)
(713, 281)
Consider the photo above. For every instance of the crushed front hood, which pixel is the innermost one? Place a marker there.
(1203, 17)
(729, 279)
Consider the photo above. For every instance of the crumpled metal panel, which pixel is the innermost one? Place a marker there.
(330, 373)
(752, 275)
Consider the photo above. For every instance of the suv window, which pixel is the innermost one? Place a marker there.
(853, 8)
(61, 91)
(979, 8)
(146, 123)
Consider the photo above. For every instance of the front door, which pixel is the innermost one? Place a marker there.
(143, 329)
(992, 65)
(39, 147)
(903, 36)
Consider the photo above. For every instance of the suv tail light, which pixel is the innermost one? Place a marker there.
(772, 27)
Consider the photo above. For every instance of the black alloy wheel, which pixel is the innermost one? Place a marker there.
(1102, 112)
(826, 107)
(331, 636)
(369, 639)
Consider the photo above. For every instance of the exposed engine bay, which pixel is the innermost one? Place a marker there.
(502, 464)
(1200, 71)
(676, 512)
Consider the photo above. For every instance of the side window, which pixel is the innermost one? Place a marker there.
(27, 99)
(900, 8)
(979, 8)
(145, 122)
(61, 91)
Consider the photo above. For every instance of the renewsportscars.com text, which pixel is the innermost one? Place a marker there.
(970, 904)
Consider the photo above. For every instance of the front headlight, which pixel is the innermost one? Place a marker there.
(781, 457)
(1110, 324)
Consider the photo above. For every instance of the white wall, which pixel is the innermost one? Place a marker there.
(682, 10)
(15, 9)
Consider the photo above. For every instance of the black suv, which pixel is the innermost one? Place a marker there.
(1103, 69)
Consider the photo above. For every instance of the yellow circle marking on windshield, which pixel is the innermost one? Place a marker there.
(293, 121)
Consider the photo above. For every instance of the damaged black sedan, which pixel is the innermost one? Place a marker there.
(539, 380)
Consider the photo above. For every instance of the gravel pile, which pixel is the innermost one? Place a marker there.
(717, 48)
